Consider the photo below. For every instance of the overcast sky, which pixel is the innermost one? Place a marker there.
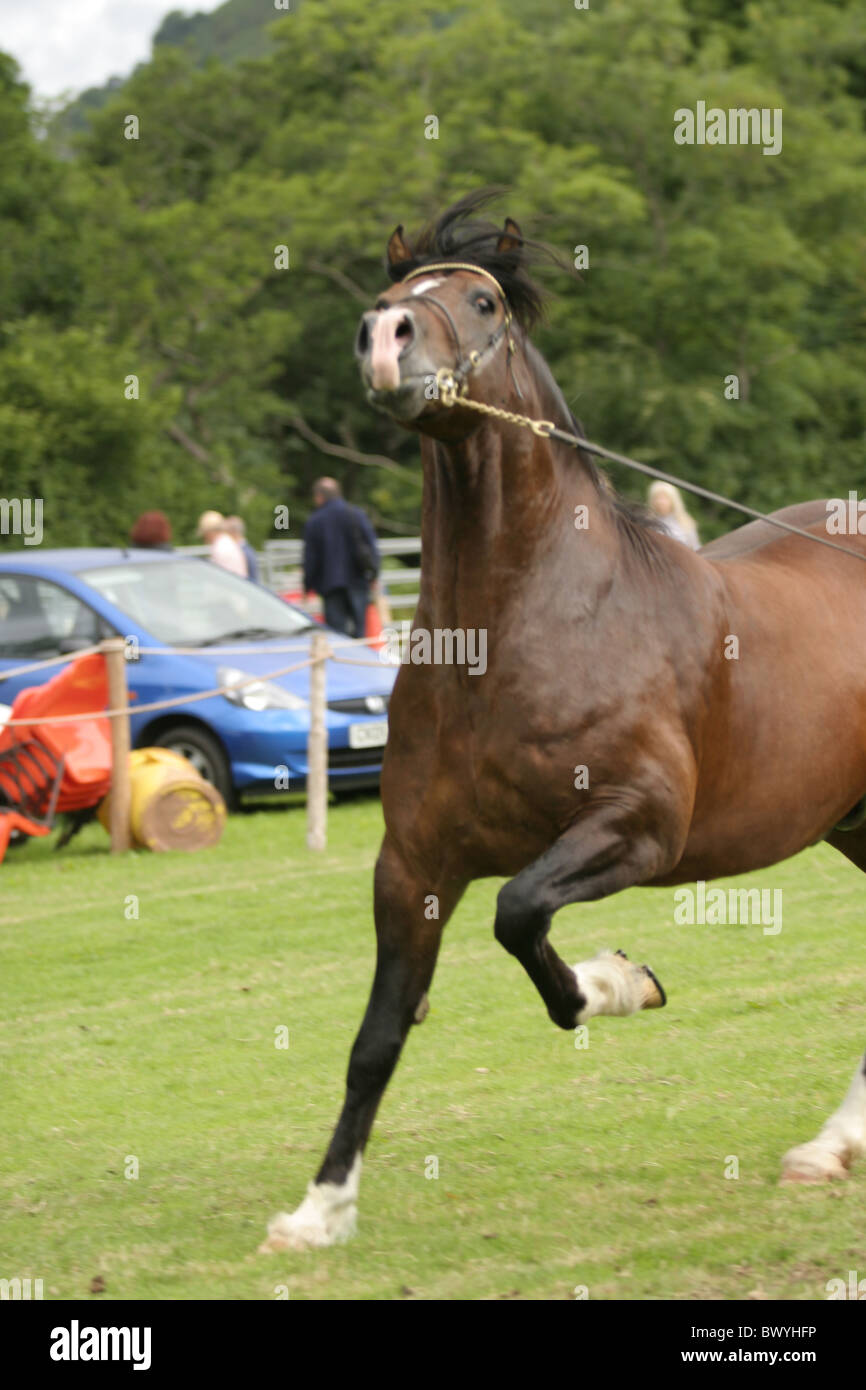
(67, 45)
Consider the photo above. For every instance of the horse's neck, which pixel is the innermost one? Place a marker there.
(503, 502)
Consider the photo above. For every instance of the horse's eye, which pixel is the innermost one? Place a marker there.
(484, 304)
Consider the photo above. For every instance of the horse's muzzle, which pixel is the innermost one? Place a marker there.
(406, 402)
(385, 336)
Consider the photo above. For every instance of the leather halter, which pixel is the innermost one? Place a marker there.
(475, 359)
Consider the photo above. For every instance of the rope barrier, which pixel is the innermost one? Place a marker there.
(49, 661)
(174, 651)
(247, 650)
(347, 661)
(114, 652)
(157, 704)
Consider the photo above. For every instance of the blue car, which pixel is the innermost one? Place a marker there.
(251, 742)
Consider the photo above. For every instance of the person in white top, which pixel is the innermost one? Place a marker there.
(666, 502)
(224, 549)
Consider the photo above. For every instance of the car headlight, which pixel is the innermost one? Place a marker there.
(257, 694)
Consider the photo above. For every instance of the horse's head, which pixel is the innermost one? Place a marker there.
(448, 322)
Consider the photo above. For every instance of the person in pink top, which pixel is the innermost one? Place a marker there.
(224, 549)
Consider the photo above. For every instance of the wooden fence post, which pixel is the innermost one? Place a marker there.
(317, 749)
(115, 665)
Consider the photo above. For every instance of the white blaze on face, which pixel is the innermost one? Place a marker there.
(424, 285)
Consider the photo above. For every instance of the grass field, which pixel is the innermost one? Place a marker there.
(559, 1167)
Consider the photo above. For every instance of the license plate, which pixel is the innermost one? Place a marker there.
(368, 735)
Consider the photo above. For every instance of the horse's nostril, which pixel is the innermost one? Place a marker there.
(363, 340)
(405, 328)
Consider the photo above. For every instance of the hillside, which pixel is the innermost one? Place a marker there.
(236, 30)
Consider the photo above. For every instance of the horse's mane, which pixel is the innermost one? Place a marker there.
(459, 235)
(633, 518)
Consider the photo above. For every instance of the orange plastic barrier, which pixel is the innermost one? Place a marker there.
(11, 820)
(373, 627)
(45, 768)
(85, 746)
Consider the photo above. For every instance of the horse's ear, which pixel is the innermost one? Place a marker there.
(511, 237)
(398, 250)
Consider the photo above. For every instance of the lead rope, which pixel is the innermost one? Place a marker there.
(452, 388)
(450, 394)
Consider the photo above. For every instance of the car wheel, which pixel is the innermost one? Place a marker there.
(204, 752)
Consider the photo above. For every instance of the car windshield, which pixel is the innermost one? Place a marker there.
(193, 603)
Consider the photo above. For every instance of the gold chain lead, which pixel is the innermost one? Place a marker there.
(449, 395)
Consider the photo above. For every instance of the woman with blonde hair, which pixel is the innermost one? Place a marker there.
(666, 503)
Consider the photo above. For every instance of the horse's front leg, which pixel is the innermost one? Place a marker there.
(410, 915)
(591, 860)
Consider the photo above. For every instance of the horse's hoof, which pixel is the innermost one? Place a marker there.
(302, 1230)
(612, 984)
(277, 1238)
(328, 1215)
(810, 1164)
(654, 995)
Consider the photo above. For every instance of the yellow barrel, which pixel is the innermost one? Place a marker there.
(171, 805)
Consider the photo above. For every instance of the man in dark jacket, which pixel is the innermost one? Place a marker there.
(341, 558)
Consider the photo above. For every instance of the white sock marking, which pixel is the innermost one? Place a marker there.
(327, 1216)
(840, 1141)
(612, 985)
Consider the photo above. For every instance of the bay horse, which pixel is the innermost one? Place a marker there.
(715, 700)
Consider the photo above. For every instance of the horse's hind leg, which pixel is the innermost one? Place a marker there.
(408, 933)
(843, 1137)
(590, 861)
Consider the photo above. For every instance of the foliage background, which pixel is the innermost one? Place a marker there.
(156, 256)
